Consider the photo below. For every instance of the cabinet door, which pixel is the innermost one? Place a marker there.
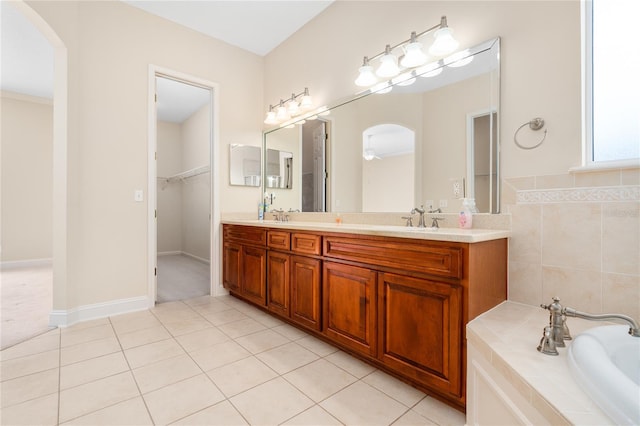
(305, 291)
(278, 267)
(420, 330)
(349, 308)
(253, 274)
(231, 266)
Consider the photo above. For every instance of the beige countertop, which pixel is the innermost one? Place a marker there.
(441, 234)
(508, 336)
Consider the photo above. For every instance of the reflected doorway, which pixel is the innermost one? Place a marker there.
(314, 166)
(388, 168)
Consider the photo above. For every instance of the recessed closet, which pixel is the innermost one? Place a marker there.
(183, 190)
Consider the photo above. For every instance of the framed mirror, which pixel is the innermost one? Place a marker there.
(244, 165)
(355, 159)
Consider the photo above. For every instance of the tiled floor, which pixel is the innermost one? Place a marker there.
(203, 361)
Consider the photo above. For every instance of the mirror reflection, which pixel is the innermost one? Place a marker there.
(244, 165)
(279, 167)
(449, 112)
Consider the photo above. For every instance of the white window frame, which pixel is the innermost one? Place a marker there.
(587, 98)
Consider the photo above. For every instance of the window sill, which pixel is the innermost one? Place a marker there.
(606, 166)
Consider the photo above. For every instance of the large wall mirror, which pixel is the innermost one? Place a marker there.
(429, 143)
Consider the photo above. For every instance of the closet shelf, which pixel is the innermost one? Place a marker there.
(185, 175)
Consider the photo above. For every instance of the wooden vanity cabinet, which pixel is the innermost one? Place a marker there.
(401, 304)
(349, 299)
(294, 277)
(244, 258)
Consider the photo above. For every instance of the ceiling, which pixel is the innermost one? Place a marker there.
(255, 26)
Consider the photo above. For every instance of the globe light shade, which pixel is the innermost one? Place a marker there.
(306, 103)
(413, 55)
(444, 42)
(271, 118)
(388, 66)
(366, 77)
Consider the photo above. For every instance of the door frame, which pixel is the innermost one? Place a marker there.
(215, 271)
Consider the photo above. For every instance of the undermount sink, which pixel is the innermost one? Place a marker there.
(605, 362)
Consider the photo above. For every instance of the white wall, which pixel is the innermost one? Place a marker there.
(540, 77)
(387, 184)
(110, 46)
(196, 191)
(27, 172)
(169, 201)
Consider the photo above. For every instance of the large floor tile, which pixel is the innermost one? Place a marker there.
(90, 397)
(241, 328)
(314, 416)
(412, 418)
(287, 357)
(361, 404)
(182, 399)
(241, 375)
(153, 352)
(262, 341)
(79, 334)
(165, 372)
(45, 342)
(350, 364)
(218, 355)
(28, 387)
(83, 351)
(439, 413)
(395, 388)
(125, 413)
(201, 339)
(134, 321)
(92, 369)
(320, 379)
(186, 326)
(290, 331)
(271, 403)
(220, 317)
(221, 414)
(18, 367)
(316, 346)
(39, 411)
(144, 336)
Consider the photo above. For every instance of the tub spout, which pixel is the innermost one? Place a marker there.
(634, 330)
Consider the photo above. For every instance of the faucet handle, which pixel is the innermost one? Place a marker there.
(409, 220)
(434, 222)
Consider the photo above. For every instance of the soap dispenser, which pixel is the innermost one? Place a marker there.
(465, 219)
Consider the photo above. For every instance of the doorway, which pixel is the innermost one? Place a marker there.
(182, 253)
(315, 170)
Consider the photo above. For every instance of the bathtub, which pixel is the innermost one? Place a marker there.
(605, 362)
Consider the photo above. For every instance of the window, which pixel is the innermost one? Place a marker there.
(612, 90)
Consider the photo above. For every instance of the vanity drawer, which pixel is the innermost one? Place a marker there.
(279, 240)
(245, 234)
(306, 243)
(435, 259)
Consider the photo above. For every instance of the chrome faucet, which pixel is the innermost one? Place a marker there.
(420, 211)
(557, 331)
(280, 216)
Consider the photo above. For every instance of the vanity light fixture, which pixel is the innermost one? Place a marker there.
(412, 55)
(289, 108)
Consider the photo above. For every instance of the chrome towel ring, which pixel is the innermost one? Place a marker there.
(535, 124)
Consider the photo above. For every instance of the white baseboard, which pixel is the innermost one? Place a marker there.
(66, 318)
(169, 253)
(183, 253)
(28, 263)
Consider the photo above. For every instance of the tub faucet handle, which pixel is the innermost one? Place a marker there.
(547, 345)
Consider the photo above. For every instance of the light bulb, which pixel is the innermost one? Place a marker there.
(292, 109)
(444, 43)
(413, 54)
(306, 103)
(388, 64)
(282, 113)
(369, 154)
(271, 118)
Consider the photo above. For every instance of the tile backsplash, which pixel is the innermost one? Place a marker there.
(576, 236)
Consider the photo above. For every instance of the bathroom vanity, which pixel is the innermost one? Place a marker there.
(398, 298)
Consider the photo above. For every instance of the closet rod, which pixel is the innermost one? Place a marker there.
(187, 174)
